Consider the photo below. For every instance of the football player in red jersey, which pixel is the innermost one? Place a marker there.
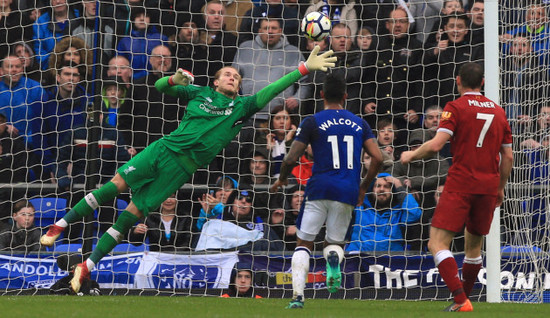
(479, 131)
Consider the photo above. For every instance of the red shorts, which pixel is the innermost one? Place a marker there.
(456, 209)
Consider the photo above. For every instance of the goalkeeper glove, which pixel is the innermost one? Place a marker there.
(318, 62)
(182, 77)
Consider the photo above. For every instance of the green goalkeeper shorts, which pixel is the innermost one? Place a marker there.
(153, 175)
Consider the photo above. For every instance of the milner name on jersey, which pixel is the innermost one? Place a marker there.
(473, 102)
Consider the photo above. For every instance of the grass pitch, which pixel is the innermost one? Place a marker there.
(149, 306)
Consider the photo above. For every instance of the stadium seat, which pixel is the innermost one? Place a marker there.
(120, 248)
(48, 210)
(68, 248)
(129, 248)
(121, 205)
(519, 249)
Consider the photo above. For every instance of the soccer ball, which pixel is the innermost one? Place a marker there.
(316, 26)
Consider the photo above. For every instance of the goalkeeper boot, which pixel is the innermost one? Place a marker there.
(296, 303)
(465, 306)
(53, 233)
(334, 276)
(81, 274)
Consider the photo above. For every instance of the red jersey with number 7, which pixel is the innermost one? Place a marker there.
(478, 129)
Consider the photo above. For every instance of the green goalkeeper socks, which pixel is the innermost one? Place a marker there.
(114, 235)
(91, 202)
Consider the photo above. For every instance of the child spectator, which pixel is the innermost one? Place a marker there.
(386, 137)
(114, 97)
(445, 58)
(366, 39)
(23, 237)
(449, 7)
(241, 282)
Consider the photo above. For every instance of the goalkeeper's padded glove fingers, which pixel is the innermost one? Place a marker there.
(182, 77)
(320, 62)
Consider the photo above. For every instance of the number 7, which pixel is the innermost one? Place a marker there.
(488, 120)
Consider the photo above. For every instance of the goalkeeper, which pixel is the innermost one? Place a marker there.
(214, 117)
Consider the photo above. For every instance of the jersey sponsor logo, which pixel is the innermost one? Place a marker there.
(214, 110)
(446, 115)
(129, 169)
(340, 121)
(473, 102)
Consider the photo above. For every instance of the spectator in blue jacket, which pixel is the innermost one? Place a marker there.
(50, 27)
(381, 221)
(137, 47)
(65, 110)
(19, 96)
(537, 28)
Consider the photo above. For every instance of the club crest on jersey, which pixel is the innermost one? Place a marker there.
(446, 115)
(239, 121)
(129, 169)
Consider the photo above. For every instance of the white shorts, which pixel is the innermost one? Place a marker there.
(337, 216)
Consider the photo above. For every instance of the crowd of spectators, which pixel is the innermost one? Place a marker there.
(63, 60)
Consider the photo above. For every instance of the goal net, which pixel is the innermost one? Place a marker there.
(78, 100)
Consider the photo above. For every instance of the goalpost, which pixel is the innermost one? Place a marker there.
(515, 252)
(492, 92)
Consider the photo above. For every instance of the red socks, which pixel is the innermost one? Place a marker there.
(449, 272)
(470, 269)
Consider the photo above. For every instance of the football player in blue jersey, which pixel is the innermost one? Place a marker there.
(337, 137)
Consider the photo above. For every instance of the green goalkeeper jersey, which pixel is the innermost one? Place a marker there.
(212, 119)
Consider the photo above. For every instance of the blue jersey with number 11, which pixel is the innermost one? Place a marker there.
(336, 138)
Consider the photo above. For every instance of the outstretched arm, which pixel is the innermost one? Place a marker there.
(170, 84)
(315, 62)
(428, 149)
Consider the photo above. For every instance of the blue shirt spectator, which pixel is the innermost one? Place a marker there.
(19, 96)
(381, 220)
(65, 110)
(50, 27)
(536, 28)
(142, 40)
